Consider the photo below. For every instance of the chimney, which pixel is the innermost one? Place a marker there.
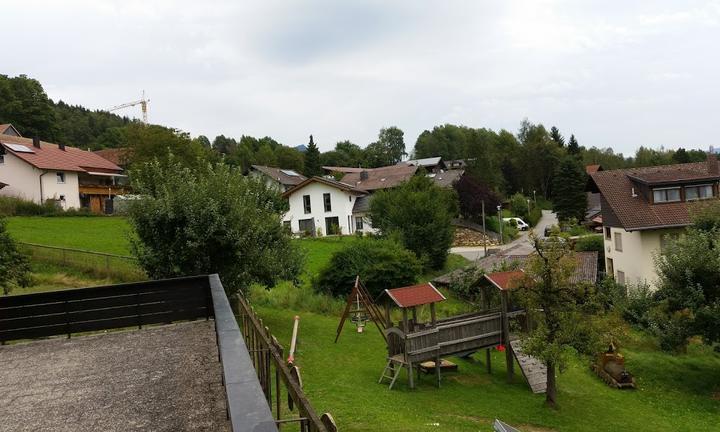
(36, 142)
(61, 146)
(364, 175)
(712, 162)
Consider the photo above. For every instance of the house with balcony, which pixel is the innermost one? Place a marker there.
(642, 207)
(40, 171)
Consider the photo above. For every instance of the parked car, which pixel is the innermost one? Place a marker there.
(517, 223)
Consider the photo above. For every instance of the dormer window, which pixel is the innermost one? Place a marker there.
(664, 195)
(698, 192)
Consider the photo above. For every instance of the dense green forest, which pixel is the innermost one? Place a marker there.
(505, 162)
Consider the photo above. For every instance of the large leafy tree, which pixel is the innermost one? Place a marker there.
(210, 220)
(569, 197)
(420, 214)
(289, 158)
(14, 266)
(538, 157)
(389, 149)
(565, 314)
(313, 166)
(689, 287)
(472, 195)
(150, 142)
(27, 107)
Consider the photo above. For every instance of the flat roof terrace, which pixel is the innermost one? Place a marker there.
(164, 378)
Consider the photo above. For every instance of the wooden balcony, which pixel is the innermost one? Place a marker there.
(104, 190)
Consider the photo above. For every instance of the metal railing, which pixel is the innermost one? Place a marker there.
(121, 267)
(277, 377)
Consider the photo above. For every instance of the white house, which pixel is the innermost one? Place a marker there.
(641, 207)
(39, 171)
(323, 206)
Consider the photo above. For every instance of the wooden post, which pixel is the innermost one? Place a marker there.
(387, 315)
(433, 317)
(487, 360)
(406, 328)
(506, 336)
(438, 363)
(414, 315)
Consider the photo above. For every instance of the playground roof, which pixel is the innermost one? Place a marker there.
(505, 280)
(414, 295)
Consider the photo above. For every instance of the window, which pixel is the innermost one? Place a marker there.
(607, 233)
(698, 192)
(618, 242)
(306, 204)
(326, 201)
(666, 195)
(60, 177)
(621, 277)
(358, 223)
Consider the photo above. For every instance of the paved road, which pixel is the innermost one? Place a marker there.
(521, 244)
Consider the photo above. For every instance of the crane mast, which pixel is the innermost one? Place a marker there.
(143, 106)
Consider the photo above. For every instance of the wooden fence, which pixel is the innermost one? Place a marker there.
(121, 267)
(277, 378)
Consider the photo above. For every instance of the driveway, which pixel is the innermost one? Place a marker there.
(521, 245)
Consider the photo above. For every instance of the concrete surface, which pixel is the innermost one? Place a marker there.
(165, 378)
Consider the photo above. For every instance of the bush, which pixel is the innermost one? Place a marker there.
(509, 232)
(534, 216)
(381, 264)
(639, 305)
(14, 206)
(519, 206)
(210, 220)
(14, 266)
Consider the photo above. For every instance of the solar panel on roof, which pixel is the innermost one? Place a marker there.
(20, 148)
(290, 173)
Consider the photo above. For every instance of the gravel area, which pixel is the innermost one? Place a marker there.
(164, 378)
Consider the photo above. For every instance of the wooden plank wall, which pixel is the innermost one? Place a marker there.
(106, 307)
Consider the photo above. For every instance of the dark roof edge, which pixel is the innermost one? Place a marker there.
(655, 227)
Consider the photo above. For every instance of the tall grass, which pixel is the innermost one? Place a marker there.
(289, 296)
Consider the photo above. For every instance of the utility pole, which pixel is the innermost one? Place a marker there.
(485, 239)
(500, 221)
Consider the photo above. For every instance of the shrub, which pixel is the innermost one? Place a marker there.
(509, 232)
(519, 206)
(381, 264)
(639, 305)
(534, 216)
(14, 266)
(14, 206)
(210, 220)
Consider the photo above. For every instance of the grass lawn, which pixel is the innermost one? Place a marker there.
(51, 277)
(675, 392)
(98, 234)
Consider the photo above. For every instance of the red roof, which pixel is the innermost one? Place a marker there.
(505, 280)
(415, 295)
(380, 178)
(49, 156)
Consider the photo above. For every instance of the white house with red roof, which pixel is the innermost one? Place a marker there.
(40, 171)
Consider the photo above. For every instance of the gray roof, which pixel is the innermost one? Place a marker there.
(424, 161)
(447, 178)
(586, 270)
(362, 204)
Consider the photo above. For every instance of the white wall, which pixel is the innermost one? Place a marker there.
(367, 223)
(636, 259)
(24, 182)
(341, 206)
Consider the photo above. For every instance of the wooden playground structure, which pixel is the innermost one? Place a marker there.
(411, 342)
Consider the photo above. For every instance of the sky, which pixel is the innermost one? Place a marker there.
(617, 74)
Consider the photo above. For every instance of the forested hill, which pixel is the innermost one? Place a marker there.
(24, 103)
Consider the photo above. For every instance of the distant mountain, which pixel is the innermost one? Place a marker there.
(302, 148)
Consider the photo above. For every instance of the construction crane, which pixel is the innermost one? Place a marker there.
(143, 105)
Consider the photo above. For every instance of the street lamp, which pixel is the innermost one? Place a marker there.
(534, 199)
(528, 201)
(500, 220)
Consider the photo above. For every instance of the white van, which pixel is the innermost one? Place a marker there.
(517, 223)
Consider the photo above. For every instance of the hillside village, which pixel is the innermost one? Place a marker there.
(340, 217)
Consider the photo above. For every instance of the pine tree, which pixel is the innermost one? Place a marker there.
(555, 135)
(313, 166)
(573, 146)
(569, 198)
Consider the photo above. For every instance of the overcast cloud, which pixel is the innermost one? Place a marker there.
(619, 74)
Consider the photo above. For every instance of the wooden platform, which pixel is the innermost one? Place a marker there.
(533, 369)
(428, 367)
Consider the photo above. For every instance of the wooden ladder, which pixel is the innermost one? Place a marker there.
(391, 372)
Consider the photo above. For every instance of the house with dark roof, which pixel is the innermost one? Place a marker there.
(641, 207)
(281, 179)
(40, 171)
